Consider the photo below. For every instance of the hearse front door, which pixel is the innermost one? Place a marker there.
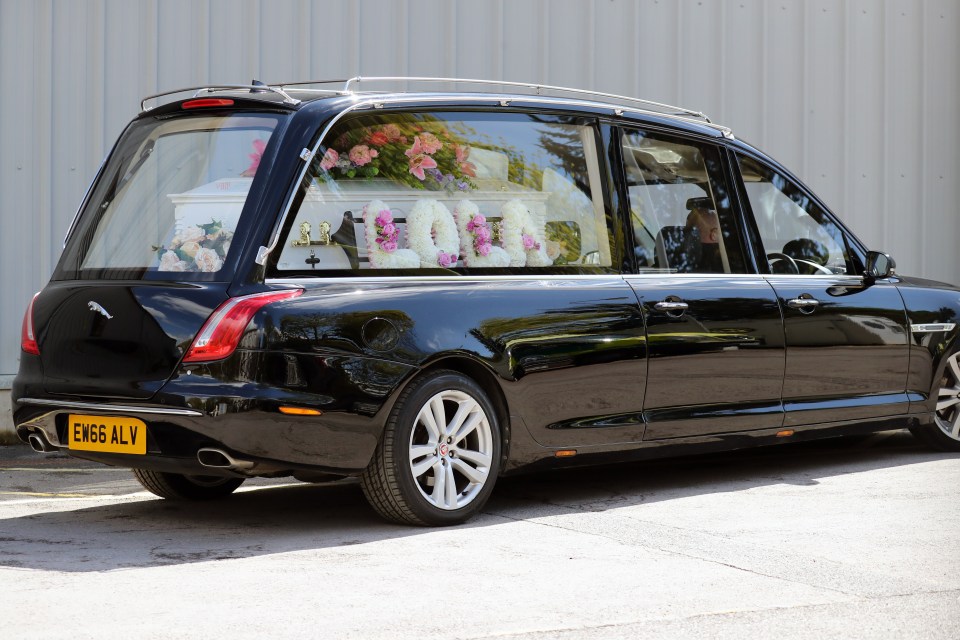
(714, 328)
(847, 340)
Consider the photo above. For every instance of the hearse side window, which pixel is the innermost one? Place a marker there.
(168, 202)
(452, 191)
(680, 207)
(798, 236)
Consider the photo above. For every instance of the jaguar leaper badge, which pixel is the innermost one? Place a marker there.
(94, 306)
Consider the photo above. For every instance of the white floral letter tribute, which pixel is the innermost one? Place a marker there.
(475, 238)
(432, 234)
(523, 238)
(382, 239)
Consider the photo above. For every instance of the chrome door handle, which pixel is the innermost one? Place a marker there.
(803, 304)
(667, 305)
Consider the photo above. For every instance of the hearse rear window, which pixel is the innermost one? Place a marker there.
(168, 203)
(452, 191)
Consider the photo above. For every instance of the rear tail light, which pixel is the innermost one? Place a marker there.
(28, 336)
(222, 331)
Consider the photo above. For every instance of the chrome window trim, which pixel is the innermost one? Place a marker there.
(551, 277)
(111, 408)
(819, 276)
(457, 278)
(697, 276)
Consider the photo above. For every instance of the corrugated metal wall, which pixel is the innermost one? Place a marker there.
(860, 97)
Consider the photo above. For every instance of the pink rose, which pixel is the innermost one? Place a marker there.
(430, 142)
(378, 138)
(330, 159)
(192, 234)
(392, 132)
(389, 246)
(389, 229)
(484, 249)
(170, 261)
(361, 154)
(445, 259)
(208, 260)
(190, 249)
(529, 243)
(384, 217)
(483, 233)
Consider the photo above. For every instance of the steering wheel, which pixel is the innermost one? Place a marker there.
(817, 267)
(775, 257)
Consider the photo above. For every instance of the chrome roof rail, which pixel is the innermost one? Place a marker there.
(607, 98)
(254, 88)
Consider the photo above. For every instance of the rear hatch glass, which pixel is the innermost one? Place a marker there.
(149, 258)
(168, 202)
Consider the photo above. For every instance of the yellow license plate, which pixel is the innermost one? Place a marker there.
(111, 434)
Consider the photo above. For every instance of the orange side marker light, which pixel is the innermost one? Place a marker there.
(300, 411)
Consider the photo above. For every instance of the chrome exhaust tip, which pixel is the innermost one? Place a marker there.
(39, 444)
(219, 459)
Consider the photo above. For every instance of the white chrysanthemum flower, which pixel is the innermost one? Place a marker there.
(464, 213)
(517, 222)
(430, 231)
(380, 259)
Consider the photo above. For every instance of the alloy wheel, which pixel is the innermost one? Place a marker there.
(948, 399)
(451, 450)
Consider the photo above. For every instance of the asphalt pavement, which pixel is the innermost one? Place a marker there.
(853, 538)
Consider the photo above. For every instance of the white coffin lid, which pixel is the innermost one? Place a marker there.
(222, 190)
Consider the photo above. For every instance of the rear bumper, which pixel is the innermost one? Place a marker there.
(274, 443)
(233, 406)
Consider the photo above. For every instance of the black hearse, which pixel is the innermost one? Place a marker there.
(429, 290)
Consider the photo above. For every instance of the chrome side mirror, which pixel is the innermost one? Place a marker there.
(879, 265)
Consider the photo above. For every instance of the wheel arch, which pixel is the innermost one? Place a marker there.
(488, 380)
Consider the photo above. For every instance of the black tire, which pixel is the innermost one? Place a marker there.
(389, 483)
(175, 486)
(943, 432)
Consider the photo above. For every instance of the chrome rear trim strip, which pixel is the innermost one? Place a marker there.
(110, 408)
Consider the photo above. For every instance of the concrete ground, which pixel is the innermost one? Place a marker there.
(856, 538)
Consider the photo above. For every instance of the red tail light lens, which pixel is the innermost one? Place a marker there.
(28, 337)
(222, 331)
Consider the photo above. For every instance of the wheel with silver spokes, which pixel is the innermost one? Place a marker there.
(451, 448)
(944, 432)
(440, 453)
(947, 415)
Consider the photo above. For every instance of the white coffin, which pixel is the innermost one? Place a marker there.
(330, 202)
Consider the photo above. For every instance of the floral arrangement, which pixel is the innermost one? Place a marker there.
(432, 234)
(423, 155)
(476, 239)
(196, 248)
(383, 238)
(523, 238)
